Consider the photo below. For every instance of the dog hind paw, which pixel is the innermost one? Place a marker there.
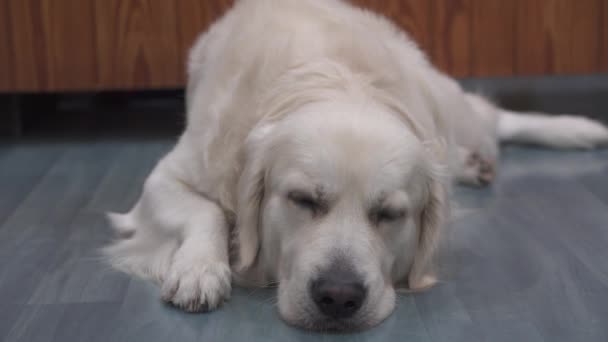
(478, 171)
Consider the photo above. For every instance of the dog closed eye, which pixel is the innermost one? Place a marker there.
(387, 215)
(305, 200)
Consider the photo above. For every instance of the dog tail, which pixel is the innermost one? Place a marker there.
(561, 131)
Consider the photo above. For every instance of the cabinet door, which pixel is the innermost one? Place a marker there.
(71, 45)
(47, 45)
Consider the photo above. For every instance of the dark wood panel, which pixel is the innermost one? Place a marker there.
(29, 55)
(450, 43)
(535, 34)
(492, 37)
(604, 36)
(6, 59)
(137, 45)
(53, 45)
(559, 36)
(69, 42)
(582, 37)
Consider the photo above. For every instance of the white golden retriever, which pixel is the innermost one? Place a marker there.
(323, 142)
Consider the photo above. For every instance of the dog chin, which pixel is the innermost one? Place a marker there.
(316, 321)
(321, 323)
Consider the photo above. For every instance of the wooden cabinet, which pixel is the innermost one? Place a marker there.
(72, 45)
(58, 45)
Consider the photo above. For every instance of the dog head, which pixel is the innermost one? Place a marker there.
(340, 202)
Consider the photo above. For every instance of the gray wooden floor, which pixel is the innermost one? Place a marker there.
(525, 260)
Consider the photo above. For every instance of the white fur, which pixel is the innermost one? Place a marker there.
(321, 97)
(564, 131)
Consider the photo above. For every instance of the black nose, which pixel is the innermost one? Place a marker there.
(338, 295)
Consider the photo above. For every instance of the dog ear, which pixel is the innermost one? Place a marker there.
(246, 234)
(422, 274)
(250, 194)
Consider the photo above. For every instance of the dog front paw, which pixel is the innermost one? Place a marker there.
(198, 288)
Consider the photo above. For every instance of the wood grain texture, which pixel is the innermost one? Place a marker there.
(604, 36)
(67, 45)
(7, 79)
(29, 55)
(558, 36)
(535, 33)
(136, 43)
(493, 37)
(68, 37)
(450, 44)
(51, 44)
(583, 36)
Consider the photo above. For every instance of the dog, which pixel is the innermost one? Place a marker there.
(318, 156)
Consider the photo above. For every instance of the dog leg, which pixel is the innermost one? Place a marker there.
(176, 237)
(199, 276)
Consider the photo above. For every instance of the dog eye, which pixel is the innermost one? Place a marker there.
(304, 200)
(387, 215)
